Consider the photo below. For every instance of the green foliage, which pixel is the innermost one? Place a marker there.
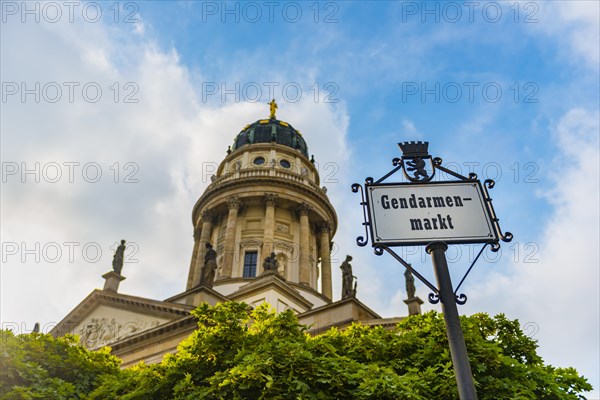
(38, 366)
(240, 353)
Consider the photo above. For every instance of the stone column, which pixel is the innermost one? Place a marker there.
(234, 205)
(190, 280)
(303, 211)
(270, 201)
(325, 229)
(207, 218)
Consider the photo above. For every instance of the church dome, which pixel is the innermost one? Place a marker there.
(271, 131)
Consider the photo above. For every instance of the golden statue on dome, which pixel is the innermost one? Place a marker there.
(272, 107)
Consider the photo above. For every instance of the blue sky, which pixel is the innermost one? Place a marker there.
(510, 89)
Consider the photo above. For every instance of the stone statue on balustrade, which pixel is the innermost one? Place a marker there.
(410, 284)
(349, 281)
(210, 266)
(117, 263)
(270, 265)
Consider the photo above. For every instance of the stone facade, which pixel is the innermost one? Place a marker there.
(276, 206)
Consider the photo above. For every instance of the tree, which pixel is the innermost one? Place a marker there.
(243, 353)
(39, 366)
(239, 353)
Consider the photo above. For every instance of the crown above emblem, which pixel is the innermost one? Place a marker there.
(414, 149)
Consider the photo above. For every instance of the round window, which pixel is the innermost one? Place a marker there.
(285, 163)
(259, 160)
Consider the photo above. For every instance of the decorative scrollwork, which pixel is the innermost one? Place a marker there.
(362, 240)
(396, 161)
(369, 180)
(472, 175)
(434, 298)
(437, 161)
(494, 247)
(461, 299)
(489, 183)
(378, 250)
(506, 236)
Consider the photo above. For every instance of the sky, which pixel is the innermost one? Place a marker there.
(114, 115)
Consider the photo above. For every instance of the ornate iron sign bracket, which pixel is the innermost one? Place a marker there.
(419, 167)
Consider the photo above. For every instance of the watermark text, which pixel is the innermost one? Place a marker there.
(69, 171)
(69, 92)
(253, 92)
(53, 12)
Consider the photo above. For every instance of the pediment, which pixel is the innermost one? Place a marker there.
(274, 290)
(105, 317)
(197, 295)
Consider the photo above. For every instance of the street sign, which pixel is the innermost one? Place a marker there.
(420, 213)
(424, 212)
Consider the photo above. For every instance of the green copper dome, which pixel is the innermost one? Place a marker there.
(271, 131)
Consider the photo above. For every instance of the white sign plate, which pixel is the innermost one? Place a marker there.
(416, 214)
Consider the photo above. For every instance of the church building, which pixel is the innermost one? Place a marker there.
(263, 230)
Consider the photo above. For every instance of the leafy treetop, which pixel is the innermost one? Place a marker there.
(243, 353)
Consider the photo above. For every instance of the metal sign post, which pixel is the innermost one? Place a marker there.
(456, 340)
(434, 214)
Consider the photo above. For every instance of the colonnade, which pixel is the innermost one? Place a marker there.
(204, 228)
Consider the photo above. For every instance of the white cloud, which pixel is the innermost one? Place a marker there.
(558, 292)
(409, 129)
(575, 25)
(171, 137)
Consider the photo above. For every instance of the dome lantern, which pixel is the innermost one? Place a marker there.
(271, 130)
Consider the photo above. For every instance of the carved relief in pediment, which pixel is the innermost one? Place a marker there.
(98, 332)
